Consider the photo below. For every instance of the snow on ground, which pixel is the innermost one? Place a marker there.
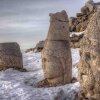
(15, 85)
(75, 60)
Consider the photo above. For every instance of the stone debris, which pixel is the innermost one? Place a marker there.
(82, 19)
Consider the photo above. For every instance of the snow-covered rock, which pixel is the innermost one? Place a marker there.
(15, 85)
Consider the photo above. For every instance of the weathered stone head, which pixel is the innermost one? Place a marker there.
(56, 54)
(89, 66)
(59, 26)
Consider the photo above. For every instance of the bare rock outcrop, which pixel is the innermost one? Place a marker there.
(10, 56)
(89, 64)
(56, 54)
(38, 48)
(82, 19)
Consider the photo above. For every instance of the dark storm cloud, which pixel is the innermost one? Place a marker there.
(27, 21)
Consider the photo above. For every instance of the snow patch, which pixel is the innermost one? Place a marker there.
(15, 85)
(76, 33)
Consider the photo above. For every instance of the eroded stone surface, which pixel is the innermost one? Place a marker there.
(10, 56)
(89, 65)
(82, 19)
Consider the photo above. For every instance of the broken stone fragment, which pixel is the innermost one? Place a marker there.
(10, 56)
(90, 4)
(84, 10)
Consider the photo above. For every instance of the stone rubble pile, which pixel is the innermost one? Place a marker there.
(80, 22)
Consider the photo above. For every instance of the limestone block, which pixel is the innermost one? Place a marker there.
(10, 56)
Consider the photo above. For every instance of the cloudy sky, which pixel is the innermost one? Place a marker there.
(27, 21)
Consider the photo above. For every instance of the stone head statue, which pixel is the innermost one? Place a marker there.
(56, 54)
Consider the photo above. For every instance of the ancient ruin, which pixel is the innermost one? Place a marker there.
(10, 56)
(56, 54)
(89, 64)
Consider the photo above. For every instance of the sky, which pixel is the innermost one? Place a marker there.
(27, 21)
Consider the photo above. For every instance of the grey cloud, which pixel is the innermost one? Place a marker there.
(27, 21)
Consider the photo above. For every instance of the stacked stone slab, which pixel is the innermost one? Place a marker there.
(56, 54)
(82, 19)
(10, 56)
(89, 65)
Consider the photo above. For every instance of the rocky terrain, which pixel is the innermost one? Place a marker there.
(80, 22)
(89, 73)
(39, 46)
